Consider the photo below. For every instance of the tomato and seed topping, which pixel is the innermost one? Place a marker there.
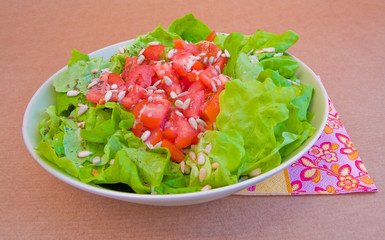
(173, 94)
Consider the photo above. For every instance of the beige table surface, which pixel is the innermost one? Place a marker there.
(343, 41)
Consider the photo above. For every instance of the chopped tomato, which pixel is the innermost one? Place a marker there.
(114, 78)
(197, 66)
(141, 75)
(96, 93)
(196, 94)
(207, 77)
(186, 133)
(221, 61)
(154, 52)
(176, 153)
(170, 131)
(165, 70)
(155, 137)
(182, 62)
(211, 36)
(188, 47)
(211, 109)
(153, 113)
(137, 129)
(133, 96)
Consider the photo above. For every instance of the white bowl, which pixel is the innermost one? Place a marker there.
(45, 96)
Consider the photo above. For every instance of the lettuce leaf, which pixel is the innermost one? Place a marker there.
(190, 28)
(77, 56)
(78, 75)
(253, 109)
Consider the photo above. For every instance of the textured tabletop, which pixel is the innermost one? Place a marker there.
(342, 41)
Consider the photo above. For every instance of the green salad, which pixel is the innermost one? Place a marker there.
(178, 110)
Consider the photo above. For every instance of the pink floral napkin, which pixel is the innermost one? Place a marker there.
(331, 166)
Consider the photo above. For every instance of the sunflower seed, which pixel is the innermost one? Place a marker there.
(92, 83)
(141, 59)
(145, 135)
(95, 70)
(192, 155)
(80, 124)
(153, 43)
(178, 104)
(211, 60)
(72, 93)
(121, 95)
(182, 166)
(112, 161)
(186, 104)
(208, 148)
(182, 94)
(150, 99)
(159, 91)
(227, 53)
(173, 95)
(179, 113)
(201, 122)
(278, 54)
(96, 160)
(206, 188)
(108, 96)
(171, 53)
(129, 88)
(157, 83)
(252, 50)
(202, 174)
(270, 49)
(106, 70)
(83, 154)
(141, 51)
(255, 172)
(167, 80)
(193, 123)
(259, 51)
(214, 87)
(218, 69)
(219, 53)
(83, 108)
(121, 50)
(114, 86)
(205, 60)
(201, 158)
(215, 165)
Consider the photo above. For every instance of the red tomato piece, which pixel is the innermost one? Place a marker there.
(211, 36)
(133, 96)
(153, 113)
(155, 137)
(163, 70)
(182, 62)
(141, 75)
(114, 78)
(211, 109)
(154, 52)
(221, 61)
(189, 47)
(196, 94)
(176, 153)
(185, 132)
(138, 129)
(207, 77)
(97, 92)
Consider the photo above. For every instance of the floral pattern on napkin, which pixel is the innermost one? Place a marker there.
(331, 166)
